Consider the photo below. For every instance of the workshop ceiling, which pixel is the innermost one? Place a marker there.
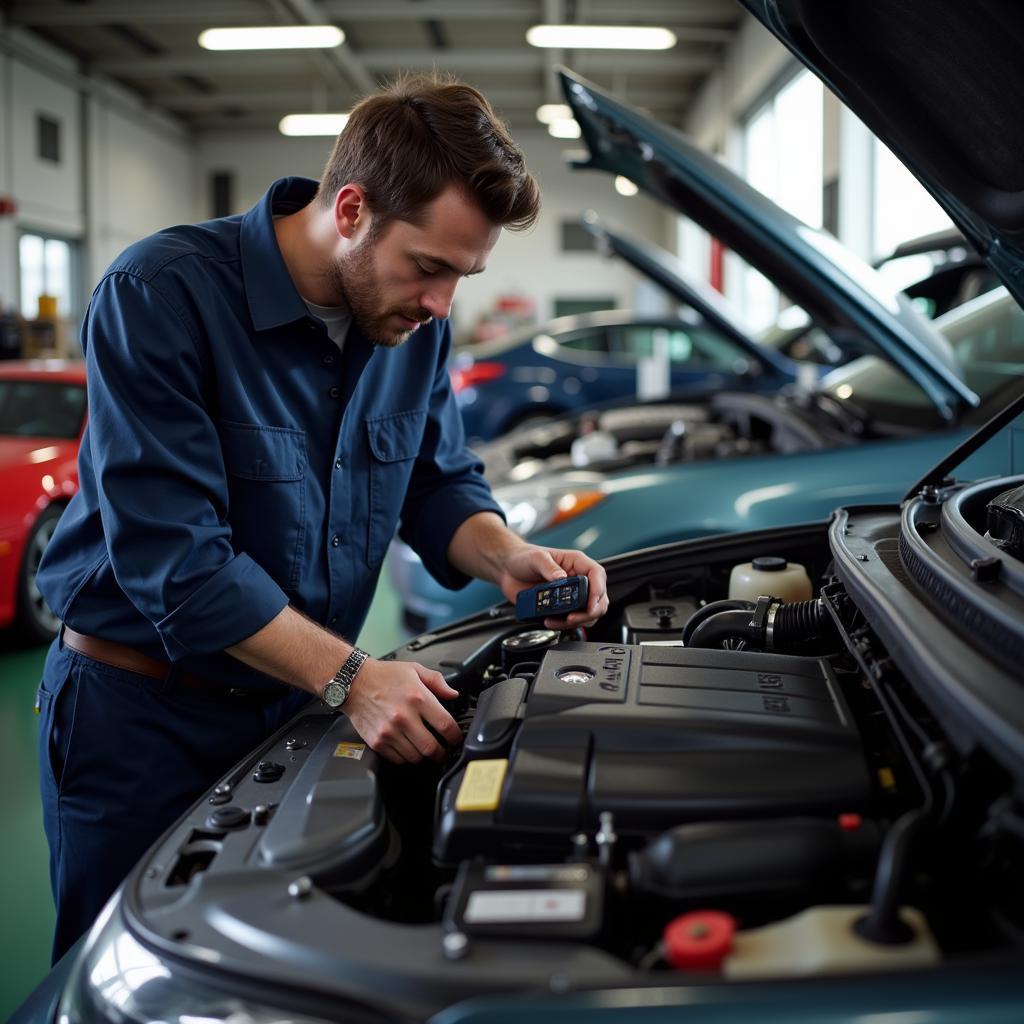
(151, 47)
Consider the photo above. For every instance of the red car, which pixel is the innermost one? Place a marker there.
(42, 416)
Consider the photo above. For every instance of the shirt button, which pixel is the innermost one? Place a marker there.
(335, 541)
(337, 463)
(334, 392)
(334, 620)
(328, 360)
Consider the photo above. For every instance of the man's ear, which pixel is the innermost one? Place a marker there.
(350, 209)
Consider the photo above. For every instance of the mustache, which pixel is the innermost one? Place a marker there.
(421, 316)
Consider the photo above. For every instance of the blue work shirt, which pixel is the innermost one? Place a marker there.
(235, 462)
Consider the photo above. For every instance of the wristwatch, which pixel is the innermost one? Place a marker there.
(337, 689)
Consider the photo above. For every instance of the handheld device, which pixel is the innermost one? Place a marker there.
(552, 600)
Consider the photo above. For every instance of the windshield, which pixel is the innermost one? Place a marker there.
(38, 408)
(987, 338)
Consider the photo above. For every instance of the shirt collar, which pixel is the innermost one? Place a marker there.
(269, 290)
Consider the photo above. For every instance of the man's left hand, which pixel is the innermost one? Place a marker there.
(529, 565)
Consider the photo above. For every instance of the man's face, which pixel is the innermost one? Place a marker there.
(406, 274)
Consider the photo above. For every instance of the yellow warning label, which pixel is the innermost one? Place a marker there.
(353, 750)
(481, 785)
(886, 778)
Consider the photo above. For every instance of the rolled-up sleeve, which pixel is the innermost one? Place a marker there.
(447, 484)
(160, 474)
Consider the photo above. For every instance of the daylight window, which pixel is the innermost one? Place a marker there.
(45, 266)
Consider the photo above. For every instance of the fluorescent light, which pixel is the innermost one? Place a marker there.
(600, 37)
(548, 112)
(564, 129)
(625, 187)
(272, 37)
(312, 124)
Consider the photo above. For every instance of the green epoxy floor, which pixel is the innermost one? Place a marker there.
(26, 907)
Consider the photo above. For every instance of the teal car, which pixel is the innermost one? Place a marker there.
(740, 460)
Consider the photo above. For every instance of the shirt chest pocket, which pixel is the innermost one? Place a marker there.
(266, 478)
(395, 442)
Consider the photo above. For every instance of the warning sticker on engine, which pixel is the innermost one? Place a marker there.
(353, 750)
(481, 785)
(526, 905)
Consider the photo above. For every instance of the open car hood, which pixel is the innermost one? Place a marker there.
(809, 265)
(669, 274)
(939, 82)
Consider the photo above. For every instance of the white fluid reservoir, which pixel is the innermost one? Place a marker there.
(770, 576)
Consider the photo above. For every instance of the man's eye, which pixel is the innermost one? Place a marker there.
(425, 271)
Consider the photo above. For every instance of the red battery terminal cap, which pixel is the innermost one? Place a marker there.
(850, 822)
(699, 941)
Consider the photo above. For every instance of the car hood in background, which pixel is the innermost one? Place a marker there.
(939, 82)
(809, 266)
(668, 273)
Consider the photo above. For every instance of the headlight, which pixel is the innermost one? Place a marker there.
(117, 979)
(531, 508)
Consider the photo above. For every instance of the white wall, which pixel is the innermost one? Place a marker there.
(124, 170)
(140, 177)
(527, 262)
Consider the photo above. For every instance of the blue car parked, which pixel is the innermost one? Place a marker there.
(579, 362)
(745, 460)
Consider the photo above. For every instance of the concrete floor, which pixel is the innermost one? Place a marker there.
(26, 906)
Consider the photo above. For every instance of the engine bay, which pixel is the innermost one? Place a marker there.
(707, 786)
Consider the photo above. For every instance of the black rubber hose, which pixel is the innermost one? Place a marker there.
(883, 924)
(712, 609)
(799, 625)
(728, 625)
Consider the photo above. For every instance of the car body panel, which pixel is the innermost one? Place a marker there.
(37, 472)
(642, 507)
(808, 265)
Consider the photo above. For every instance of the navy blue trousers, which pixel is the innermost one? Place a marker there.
(121, 757)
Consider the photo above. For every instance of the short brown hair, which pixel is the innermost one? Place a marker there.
(405, 144)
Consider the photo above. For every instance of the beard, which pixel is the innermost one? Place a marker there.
(355, 276)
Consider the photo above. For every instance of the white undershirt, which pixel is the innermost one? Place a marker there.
(337, 320)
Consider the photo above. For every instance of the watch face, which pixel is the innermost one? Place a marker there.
(335, 694)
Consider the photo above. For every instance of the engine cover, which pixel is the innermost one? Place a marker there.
(659, 736)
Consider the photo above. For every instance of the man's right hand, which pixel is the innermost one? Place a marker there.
(389, 703)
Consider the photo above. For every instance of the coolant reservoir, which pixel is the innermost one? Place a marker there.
(774, 576)
(824, 940)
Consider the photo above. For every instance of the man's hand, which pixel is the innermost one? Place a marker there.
(389, 703)
(483, 546)
(530, 564)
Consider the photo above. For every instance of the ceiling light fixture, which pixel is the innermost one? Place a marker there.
(312, 124)
(548, 112)
(272, 37)
(566, 128)
(625, 187)
(600, 37)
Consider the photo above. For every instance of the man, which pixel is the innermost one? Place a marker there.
(268, 399)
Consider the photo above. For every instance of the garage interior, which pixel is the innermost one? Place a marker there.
(115, 123)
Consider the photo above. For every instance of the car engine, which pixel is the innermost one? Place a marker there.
(703, 788)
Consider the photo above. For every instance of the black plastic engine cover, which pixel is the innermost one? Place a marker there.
(662, 736)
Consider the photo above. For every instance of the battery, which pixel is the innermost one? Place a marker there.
(550, 901)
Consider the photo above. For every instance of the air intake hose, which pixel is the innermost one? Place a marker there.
(767, 625)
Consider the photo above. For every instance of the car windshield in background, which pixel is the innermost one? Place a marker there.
(36, 408)
(987, 338)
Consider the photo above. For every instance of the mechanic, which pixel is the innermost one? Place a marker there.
(268, 399)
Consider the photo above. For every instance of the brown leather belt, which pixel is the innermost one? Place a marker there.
(120, 656)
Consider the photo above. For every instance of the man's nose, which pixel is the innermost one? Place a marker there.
(438, 300)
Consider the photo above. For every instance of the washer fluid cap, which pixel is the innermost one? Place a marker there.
(699, 941)
(769, 563)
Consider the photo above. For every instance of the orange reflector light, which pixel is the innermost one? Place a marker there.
(572, 504)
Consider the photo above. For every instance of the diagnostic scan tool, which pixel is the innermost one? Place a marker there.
(552, 600)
